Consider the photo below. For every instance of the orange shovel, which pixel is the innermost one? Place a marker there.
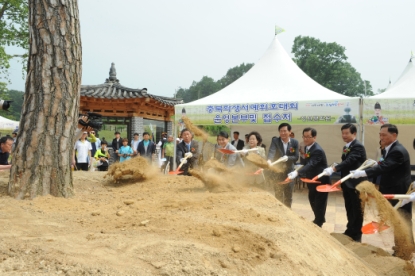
(178, 171)
(375, 227)
(334, 188)
(288, 180)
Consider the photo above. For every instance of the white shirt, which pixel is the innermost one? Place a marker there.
(134, 144)
(309, 147)
(82, 148)
(388, 148)
(235, 143)
(348, 144)
(285, 145)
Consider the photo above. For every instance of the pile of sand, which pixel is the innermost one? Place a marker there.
(172, 225)
(134, 169)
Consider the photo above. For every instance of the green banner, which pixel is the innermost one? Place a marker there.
(392, 111)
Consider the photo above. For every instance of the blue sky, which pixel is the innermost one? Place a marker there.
(164, 45)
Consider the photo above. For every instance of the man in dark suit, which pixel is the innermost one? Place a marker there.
(146, 148)
(394, 169)
(116, 145)
(238, 144)
(284, 146)
(353, 156)
(187, 147)
(314, 163)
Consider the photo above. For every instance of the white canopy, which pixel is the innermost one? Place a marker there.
(404, 87)
(275, 77)
(8, 124)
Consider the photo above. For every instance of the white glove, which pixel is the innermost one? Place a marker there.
(406, 201)
(328, 171)
(183, 161)
(269, 162)
(188, 155)
(358, 174)
(292, 175)
(244, 151)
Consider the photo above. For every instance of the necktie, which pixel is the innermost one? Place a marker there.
(188, 147)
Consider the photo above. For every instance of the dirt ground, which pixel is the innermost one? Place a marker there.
(173, 225)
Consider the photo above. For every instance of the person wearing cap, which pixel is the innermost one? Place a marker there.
(94, 140)
(82, 151)
(14, 136)
(377, 118)
(116, 145)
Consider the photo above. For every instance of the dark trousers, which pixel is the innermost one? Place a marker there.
(168, 159)
(284, 193)
(354, 213)
(102, 168)
(82, 166)
(318, 203)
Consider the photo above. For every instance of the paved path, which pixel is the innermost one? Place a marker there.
(336, 219)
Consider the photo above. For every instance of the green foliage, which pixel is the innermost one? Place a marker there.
(14, 18)
(207, 86)
(214, 130)
(326, 63)
(16, 106)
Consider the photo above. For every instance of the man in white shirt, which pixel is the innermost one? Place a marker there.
(82, 150)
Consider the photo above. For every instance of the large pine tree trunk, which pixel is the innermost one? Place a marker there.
(43, 153)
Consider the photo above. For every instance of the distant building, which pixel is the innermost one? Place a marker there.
(133, 107)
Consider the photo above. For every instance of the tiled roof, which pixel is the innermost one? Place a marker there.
(112, 89)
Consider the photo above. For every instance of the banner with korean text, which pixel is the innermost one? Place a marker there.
(295, 112)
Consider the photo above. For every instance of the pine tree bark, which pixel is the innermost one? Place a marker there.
(43, 152)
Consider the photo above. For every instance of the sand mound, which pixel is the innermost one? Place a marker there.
(390, 216)
(134, 169)
(171, 225)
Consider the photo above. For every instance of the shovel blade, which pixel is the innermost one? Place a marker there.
(175, 172)
(226, 151)
(310, 181)
(258, 171)
(286, 181)
(327, 188)
(373, 227)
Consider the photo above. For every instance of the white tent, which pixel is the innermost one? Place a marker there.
(8, 124)
(396, 106)
(404, 87)
(275, 90)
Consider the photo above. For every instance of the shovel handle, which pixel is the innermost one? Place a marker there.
(282, 159)
(388, 196)
(181, 163)
(362, 167)
(318, 176)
